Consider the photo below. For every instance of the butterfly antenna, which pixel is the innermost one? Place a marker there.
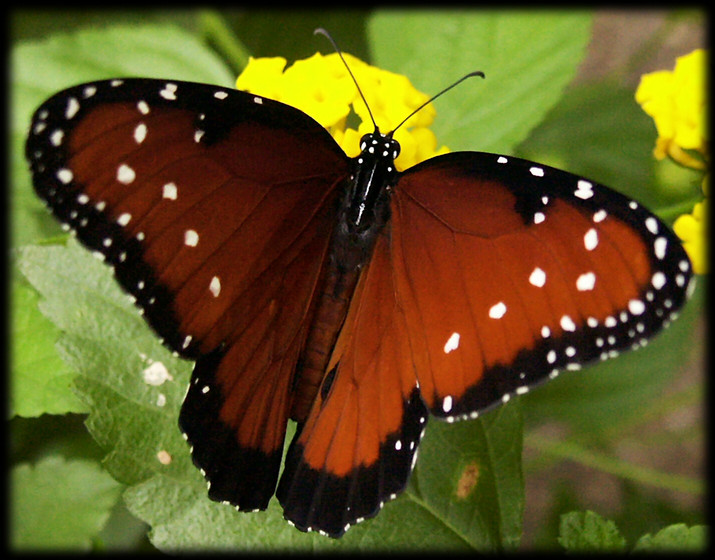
(445, 90)
(321, 31)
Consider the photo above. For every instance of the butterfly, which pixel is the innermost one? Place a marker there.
(338, 292)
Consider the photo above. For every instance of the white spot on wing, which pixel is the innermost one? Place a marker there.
(590, 239)
(140, 133)
(537, 277)
(72, 108)
(452, 343)
(447, 404)
(169, 191)
(169, 92)
(586, 282)
(497, 310)
(567, 323)
(125, 174)
(215, 286)
(191, 238)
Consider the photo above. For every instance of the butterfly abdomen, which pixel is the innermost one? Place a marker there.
(331, 309)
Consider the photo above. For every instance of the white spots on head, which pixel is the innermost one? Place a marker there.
(584, 189)
(72, 108)
(590, 239)
(191, 238)
(497, 310)
(215, 286)
(169, 92)
(170, 191)
(452, 343)
(567, 323)
(65, 175)
(586, 282)
(125, 174)
(140, 133)
(537, 278)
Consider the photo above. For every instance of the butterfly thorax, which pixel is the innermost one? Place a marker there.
(365, 205)
(364, 211)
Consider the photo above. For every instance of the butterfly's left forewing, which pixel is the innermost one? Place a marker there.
(509, 272)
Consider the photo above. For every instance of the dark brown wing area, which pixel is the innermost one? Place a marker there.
(203, 201)
(509, 272)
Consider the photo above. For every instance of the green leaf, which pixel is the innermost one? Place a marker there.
(110, 346)
(675, 538)
(589, 532)
(41, 381)
(528, 58)
(469, 477)
(59, 505)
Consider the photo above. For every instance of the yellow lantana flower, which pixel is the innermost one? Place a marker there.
(677, 101)
(692, 230)
(321, 87)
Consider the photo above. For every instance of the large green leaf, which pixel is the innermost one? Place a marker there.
(528, 57)
(107, 342)
(59, 505)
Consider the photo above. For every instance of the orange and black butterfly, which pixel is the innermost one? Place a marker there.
(352, 298)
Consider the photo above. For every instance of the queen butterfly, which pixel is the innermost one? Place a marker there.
(338, 292)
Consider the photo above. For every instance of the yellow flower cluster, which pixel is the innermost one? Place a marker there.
(321, 87)
(677, 101)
